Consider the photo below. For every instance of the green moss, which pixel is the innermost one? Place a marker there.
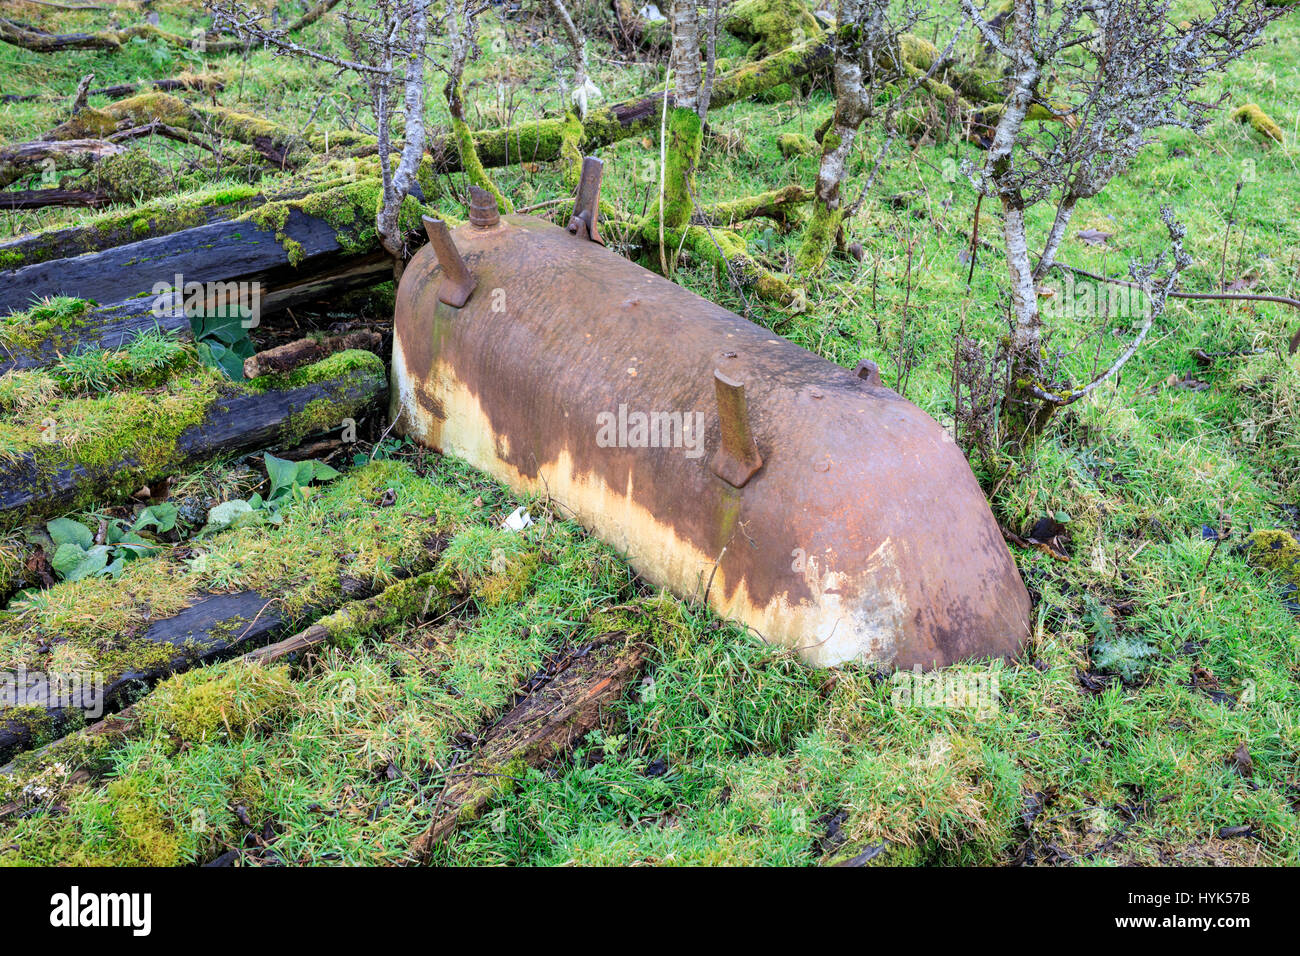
(1277, 551)
(819, 237)
(234, 700)
(25, 331)
(331, 367)
(1260, 121)
(142, 833)
(35, 721)
(685, 139)
(771, 25)
(918, 52)
(131, 176)
(793, 145)
(472, 165)
(349, 208)
(98, 434)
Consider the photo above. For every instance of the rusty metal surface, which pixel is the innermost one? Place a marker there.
(864, 534)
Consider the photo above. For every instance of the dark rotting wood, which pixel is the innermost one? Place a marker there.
(195, 628)
(291, 355)
(543, 726)
(242, 420)
(227, 251)
(199, 633)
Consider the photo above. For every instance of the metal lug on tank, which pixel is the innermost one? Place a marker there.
(483, 211)
(737, 458)
(457, 283)
(869, 371)
(586, 209)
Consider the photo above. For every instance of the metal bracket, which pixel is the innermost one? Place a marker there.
(458, 284)
(737, 458)
(586, 208)
(868, 371)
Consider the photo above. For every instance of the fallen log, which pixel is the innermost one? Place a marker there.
(544, 725)
(146, 221)
(426, 595)
(283, 257)
(27, 344)
(202, 83)
(48, 465)
(25, 159)
(281, 146)
(41, 41)
(46, 198)
(291, 355)
(198, 633)
(544, 140)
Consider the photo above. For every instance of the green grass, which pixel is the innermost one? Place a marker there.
(731, 752)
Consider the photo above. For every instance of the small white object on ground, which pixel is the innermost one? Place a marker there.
(651, 13)
(518, 520)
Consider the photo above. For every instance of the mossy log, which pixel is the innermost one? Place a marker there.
(278, 144)
(770, 25)
(543, 726)
(25, 344)
(291, 355)
(157, 217)
(544, 140)
(41, 41)
(283, 252)
(779, 205)
(25, 159)
(203, 83)
(199, 628)
(198, 633)
(103, 449)
(48, 198)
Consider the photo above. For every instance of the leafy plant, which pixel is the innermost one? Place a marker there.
(384, 449)
(1126, 656)
(289, 480)
(292, 477)
(77, 556)
(1111, 651)
(222, 342)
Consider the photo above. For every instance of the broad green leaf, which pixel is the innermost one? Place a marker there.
(92, 562)
(66, 558)
(161, 516)
(66, 531)
(222, 516)
(282, 474)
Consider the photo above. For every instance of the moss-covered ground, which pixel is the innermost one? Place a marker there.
(1166, 643)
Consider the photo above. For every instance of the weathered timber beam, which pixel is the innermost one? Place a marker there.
(285, 358)
(46, 198)
(201, 633)
(233, 250)
(40, 477)
(545, 725)
(23, 159)
(158, 217)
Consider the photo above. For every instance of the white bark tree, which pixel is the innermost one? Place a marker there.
(1128, 69)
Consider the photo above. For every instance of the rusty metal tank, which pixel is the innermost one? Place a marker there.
(808, 502)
